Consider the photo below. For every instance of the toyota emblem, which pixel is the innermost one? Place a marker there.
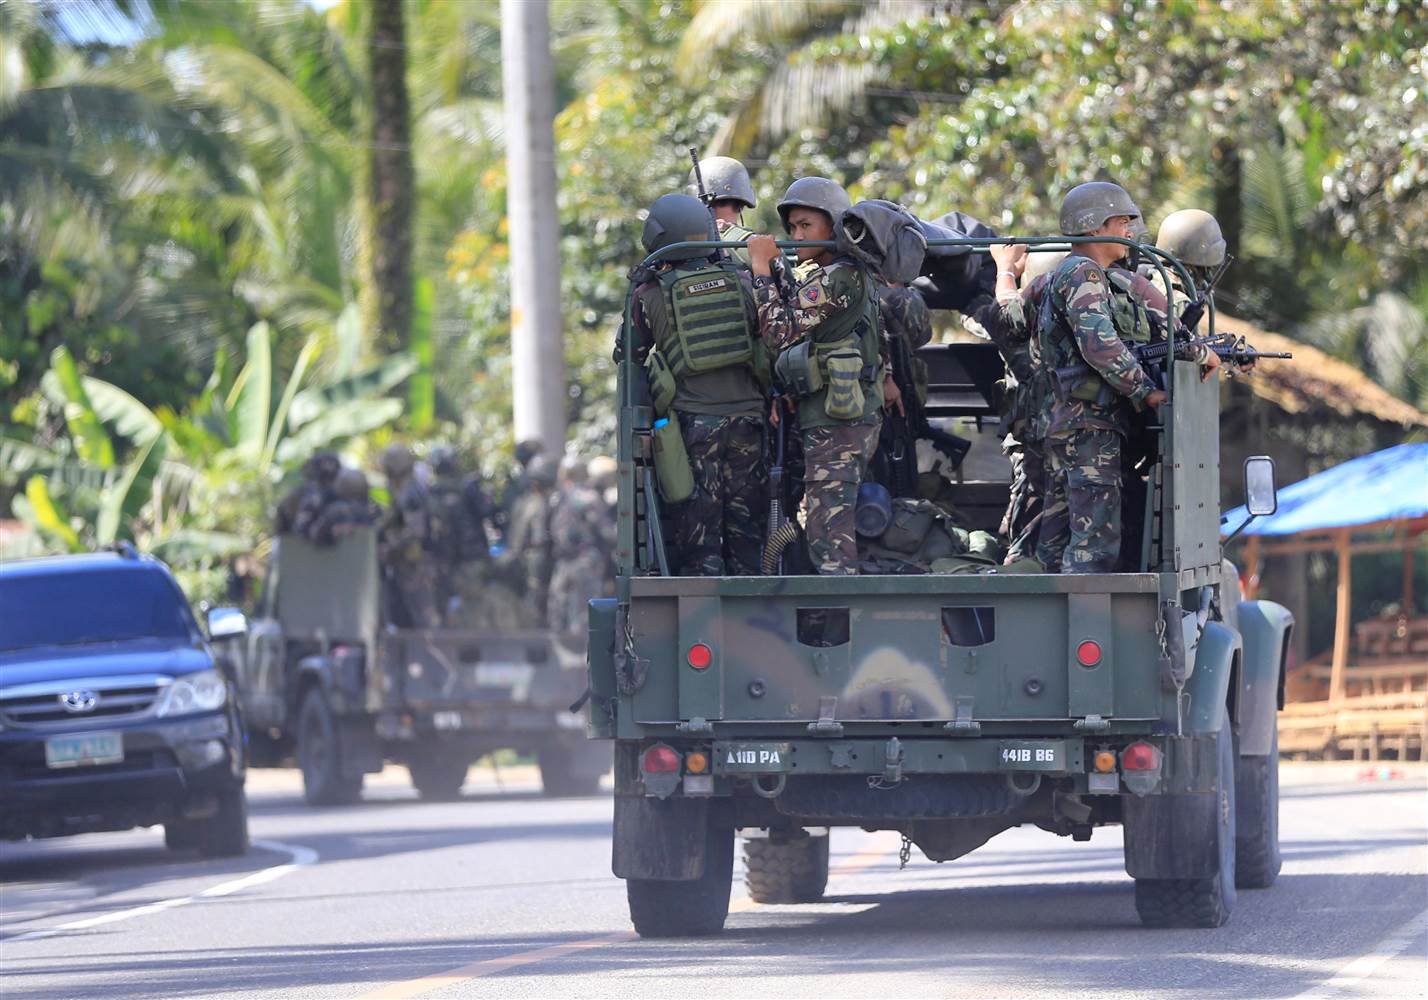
(79, 701)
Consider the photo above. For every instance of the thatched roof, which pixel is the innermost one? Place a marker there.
(1314, 380)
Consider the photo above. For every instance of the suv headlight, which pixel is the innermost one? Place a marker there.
(200, 692)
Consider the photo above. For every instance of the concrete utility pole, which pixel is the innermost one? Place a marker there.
(537, 344)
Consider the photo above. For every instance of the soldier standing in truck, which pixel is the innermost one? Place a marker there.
(823, 328)
(694, 326)
(729, 190)
(408, 567)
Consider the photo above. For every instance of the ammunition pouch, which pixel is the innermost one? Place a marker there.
(672, 469)
(662, 382)
(798, 371)
(1080, 381)
(844, 400)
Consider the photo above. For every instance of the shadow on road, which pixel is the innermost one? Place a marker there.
(976, 936)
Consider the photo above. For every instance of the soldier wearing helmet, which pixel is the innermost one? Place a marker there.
(729, 190)
(353, 509)
(1086, 421)
(529, 538)
(578, 527)
(403, 544)
(841, 384)
(296, 511)
(695, 331)
(459, 542)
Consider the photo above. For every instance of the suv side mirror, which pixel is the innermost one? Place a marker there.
(223, 623)
(1260, 498)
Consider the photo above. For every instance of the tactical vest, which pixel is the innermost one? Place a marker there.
(708, 327)
(1131, 320)
(835, 344)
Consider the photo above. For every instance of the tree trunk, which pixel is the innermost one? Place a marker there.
(391, 182)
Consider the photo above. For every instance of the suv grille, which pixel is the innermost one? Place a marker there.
(110, 698)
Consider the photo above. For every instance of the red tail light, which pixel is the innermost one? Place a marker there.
(1088, 654)
(700, 656)
(1140, 757)
(660, 759)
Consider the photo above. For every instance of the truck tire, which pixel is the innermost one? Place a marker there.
(668, 908)
(225, 833)
(319, 754)
(1199, 902)
(559, 776)
(437, 778)
(792, 872)
(1257, 858)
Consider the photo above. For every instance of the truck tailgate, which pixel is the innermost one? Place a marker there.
(931, 649)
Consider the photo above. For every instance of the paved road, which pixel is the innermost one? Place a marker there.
(508, 894)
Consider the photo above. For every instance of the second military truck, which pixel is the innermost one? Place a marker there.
(323, 677)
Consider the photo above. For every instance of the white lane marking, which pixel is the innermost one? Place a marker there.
(300, 855)
(1366, 965)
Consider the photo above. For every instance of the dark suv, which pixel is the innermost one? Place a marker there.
(113, 710)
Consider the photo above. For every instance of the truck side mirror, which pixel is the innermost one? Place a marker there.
(224, 623)
(1260, 498)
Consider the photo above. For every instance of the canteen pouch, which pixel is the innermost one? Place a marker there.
(845, 387)
(797, 370)
(676, 478)
(662, 384)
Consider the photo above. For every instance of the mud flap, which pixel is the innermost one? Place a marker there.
(361, 750)
(1174, 835)
(659, 838)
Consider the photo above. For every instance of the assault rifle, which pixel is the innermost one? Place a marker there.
(708, 200)
(897, 441)
(1190, 318)
(1151, 356)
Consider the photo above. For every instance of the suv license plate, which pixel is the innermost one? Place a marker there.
(84, 750)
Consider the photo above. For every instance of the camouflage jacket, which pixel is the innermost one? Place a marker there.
(731, 231)
(459, 531)
(1007, 325)
(406, 529)
(577, 526)
(340, 518)
(793, 310)
(1076, 323)
(905, 317)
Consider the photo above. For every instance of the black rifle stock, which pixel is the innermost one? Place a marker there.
(707, 198)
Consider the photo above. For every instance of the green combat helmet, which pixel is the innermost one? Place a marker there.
(397, 461)
(541, 471)
(676, 218)
(1086, 207)
(322, 467)
(443, 460)
(725, 179)
(1193, 237)
(815, 192)
(352, 485)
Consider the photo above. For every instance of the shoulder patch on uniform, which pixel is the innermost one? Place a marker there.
(811, 294)
(1092, 274)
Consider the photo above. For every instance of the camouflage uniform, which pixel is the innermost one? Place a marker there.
(529, 540)
(577, 531)
(1085, 423)
(403, 545)
(352, 509)
(904, 314)
(1010, 323)
(836, 452)
(719, 530)
(460, 544)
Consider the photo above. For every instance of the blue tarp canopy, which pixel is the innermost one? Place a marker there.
(1389, 485)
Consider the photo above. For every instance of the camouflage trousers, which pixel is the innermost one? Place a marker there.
(1020, 525)
(1081, 516)
(413, 589)
(575, 582)
(835, 459)
(719, 531)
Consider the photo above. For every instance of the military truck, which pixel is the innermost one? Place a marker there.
(948, 708)
(324, 678)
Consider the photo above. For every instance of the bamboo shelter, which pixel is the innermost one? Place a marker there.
(1373, 692)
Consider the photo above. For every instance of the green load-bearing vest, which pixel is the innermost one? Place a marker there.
(708, 327)
(854, 330)
(1131, 319)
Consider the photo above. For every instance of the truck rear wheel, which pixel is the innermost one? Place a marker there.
(565, 773)
(666, 908)
(438, 778)
(792, 872)
(1257, 859)
(1200, 902)
(319, 754)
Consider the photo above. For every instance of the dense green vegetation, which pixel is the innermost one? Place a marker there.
(194, 246)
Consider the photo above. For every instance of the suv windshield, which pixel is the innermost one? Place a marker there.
(65, 609)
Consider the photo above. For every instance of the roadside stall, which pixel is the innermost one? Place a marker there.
(1368, 694)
